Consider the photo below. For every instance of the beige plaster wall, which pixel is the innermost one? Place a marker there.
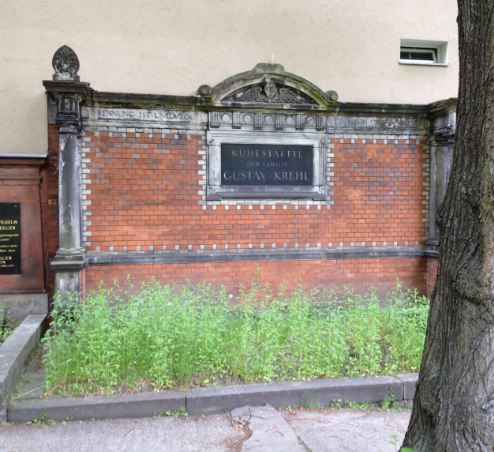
(172, 47)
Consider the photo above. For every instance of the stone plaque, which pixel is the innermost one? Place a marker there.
(10, 238)
(267, 164)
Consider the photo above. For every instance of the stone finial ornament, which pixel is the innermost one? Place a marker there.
(204, 91)
(332, 96)
(66, 64)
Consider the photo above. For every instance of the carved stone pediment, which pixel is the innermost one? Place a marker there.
(268, 86)
(269, 92)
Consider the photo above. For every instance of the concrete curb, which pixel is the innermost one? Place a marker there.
(14, 353)
(293, 393)
(145, 404)
(217, 400)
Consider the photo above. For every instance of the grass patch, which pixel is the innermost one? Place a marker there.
(164, 336)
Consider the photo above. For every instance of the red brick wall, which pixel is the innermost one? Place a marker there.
(432, 266)
(147, 197)
(360, 274)
(144, 195)
(51, 222)
(378, 193)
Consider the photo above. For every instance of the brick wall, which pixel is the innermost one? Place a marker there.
(51, 221)
(432, 267)
(379, 192)
(359, 274)
(144, 195)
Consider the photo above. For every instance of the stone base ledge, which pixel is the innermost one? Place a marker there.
(216, 399)
(13, 354)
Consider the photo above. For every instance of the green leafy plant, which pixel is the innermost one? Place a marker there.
(389, 402)
(5, 325)
(162, 336)
(177, 412)
(42, 421)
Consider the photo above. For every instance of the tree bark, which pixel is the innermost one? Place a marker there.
(453, 408)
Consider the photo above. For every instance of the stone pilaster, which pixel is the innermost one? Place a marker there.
(441, 149)
(66, 96)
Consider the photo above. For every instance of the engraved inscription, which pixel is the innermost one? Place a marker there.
(349, 122)
(10, 239)
(143, 115)
(264, 164)
(300, 121)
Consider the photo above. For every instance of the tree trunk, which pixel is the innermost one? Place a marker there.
(453, 408)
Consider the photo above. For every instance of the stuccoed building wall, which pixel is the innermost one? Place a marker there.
(170, 47)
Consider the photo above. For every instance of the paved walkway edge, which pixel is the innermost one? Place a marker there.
(218, 399)
(269, 431)
(13, 354)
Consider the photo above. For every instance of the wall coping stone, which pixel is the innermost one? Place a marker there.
(14, 352)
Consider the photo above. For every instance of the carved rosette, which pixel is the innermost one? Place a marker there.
(66, 64)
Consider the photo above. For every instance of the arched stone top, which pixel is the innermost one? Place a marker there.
(269, 85)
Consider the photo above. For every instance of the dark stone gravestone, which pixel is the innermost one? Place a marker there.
(10, 238)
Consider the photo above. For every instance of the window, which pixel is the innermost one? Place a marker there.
(418, 53)
(421, 52)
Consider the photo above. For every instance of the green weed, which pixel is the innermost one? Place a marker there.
(163, 336)
(355, 405)
(42, 421)
(389, 402)
(5, 326)
(178, 412)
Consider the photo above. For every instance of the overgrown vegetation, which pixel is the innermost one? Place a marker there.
(5, 326)
(165, 336)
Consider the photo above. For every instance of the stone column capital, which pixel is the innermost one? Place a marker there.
(68, 97)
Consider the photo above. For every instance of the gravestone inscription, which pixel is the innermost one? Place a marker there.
(10, 238)
(266, 164)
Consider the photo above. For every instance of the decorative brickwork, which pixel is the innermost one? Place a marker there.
(142, 192)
